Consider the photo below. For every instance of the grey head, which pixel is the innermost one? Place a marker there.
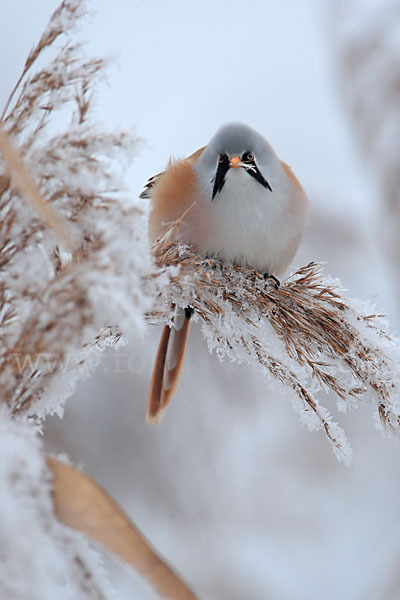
(235, 145)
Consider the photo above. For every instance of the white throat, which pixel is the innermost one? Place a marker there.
(248, 224)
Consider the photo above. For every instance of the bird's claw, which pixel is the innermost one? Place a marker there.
(276, 281)
(214, 263)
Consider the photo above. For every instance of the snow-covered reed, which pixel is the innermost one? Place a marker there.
(306, 334)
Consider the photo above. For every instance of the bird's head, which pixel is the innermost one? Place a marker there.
(235, 149)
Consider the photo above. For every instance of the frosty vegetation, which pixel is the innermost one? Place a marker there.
(38, 553)
(55, 311)
(55, 308)
(305, 334)
(77, 274)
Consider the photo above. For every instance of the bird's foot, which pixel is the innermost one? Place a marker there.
(276, 281)
(189, 310)
(214, 263)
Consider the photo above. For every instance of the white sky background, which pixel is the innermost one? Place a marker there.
(183, 69)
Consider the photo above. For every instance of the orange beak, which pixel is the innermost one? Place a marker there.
(235, 162)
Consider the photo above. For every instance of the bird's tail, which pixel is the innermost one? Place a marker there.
(168, 364)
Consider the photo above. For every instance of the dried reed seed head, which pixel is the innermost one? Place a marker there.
(49, 306)
(327, 344)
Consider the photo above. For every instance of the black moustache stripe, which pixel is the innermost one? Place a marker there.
(254, 172)
(223, 168)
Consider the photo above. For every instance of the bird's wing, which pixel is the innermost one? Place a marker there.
(168, 364)
(193, 157)
(148, 188)
(292, 176)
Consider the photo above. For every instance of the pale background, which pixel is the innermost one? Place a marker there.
(234, 493)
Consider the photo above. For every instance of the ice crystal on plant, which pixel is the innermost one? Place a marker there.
(53, 303)
(306, 334)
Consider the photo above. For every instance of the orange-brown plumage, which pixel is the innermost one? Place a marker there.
(167, 367)
(173, 194)
(292, 176)
(233, 199)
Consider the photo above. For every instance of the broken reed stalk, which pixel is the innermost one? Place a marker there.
(82, 504)
(306, 333)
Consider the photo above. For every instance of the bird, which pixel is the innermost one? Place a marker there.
(232, 200)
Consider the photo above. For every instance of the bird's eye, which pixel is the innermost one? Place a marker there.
(221, 158)
(248, 156)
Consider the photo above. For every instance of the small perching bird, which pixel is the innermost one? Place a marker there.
(232, 200)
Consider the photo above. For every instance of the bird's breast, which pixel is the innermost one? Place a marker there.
(248, 224)
(244, 223)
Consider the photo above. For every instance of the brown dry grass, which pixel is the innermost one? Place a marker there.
(27, 187)
(320, 331)
(305, 334)
(54, 191)
(57, 190)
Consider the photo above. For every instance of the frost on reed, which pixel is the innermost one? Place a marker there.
(305, 334)
(62, 295)
(41, 559)
(76, 272)
(72, 258)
